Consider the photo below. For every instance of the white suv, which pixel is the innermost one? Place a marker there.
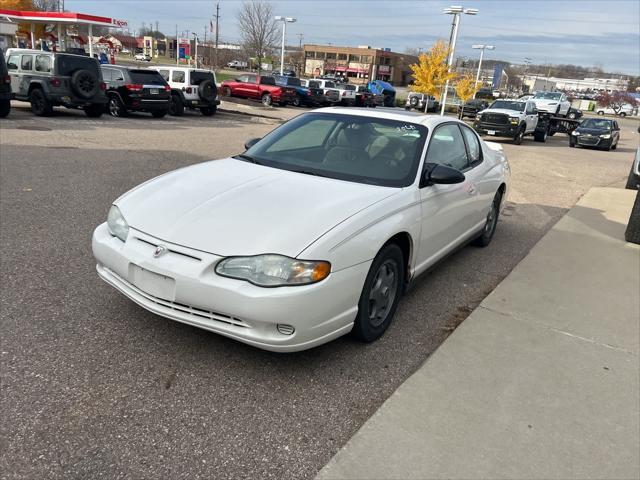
(191, 88)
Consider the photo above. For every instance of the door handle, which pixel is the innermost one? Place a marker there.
(471, 190)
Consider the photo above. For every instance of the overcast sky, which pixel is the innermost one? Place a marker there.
(582, 32)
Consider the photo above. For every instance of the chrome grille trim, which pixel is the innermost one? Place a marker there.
(168, 249)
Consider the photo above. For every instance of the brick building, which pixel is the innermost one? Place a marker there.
(358, 64)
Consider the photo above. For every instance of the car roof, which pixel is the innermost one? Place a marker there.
(391, 114)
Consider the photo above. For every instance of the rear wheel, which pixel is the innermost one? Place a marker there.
(633, 182)
(266, 100)
(600, 112)
(5, 108)
(40, 106)
(492, 222)
(226, 92)
(296, 101)
(208, 111)
(623, 114)
(176, 107)
(541, 135)
(380, 294)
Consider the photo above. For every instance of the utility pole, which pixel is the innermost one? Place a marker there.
(217, 15)
(176, 50)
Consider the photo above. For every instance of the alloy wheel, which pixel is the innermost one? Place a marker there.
(114, 108)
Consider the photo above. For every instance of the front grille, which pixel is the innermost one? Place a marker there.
(180, 307)
(582, 140)
(168, 249)
(495, 118)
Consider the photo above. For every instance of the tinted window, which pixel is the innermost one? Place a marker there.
(198, 77)
(12, 62)
(447, 147)
(350, 87)
(314, 84)
(43, 63)
(107, 74)
(596, 123)
(473, 145)
(146, 77)
(177, 76)
(27, 62)
(164, 74)
(267, 81)
(348, 147)
(68, 64)
(293, 82)
(329, 85)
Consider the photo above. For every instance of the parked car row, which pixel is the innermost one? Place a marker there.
(49, 79)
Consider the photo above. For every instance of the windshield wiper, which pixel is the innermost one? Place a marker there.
(309, 172)
(247, 158)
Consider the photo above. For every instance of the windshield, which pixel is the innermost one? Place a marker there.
(313, 84)
(349, 87)
(596, 123)
(198, 77)
(347, 147)
(509, 105)
(548, 95)
(147, 77)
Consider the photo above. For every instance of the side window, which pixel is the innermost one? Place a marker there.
(27, 62)
(177, 76)
(118, 75)
(12, 62)
(447, 147)
(473, 145)
(106, 74)
(164, 74)
(43, 63)
(252, 79)
(243, 78)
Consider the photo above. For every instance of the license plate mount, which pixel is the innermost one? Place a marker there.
(155, 91)
(491, 132)
(153, 283)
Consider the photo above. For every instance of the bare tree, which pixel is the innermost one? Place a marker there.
(259, 30)
(46, 5)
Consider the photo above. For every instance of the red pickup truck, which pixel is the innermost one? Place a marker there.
(258, 87)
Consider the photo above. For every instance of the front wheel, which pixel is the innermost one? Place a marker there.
(519, 136)
(623, 114)
(492, 222)
(380, 295)
(266, 100)
(40, 106)
(600, 112)
(296, 101)
(115, 107)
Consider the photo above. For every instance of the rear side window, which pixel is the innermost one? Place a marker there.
(27, 62)
(68, 64)
(12, 62)
(198, 77)
(146, 77)
(164, 74)
(43, 63)
(267, 81)
(107, 74)
(177, 76)
(293, 82)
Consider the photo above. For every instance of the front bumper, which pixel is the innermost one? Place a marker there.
(181, 285)
(508, 131)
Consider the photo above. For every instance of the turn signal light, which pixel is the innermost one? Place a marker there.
(321, 271)
(55, 82)
(167, 88)
(133, 87)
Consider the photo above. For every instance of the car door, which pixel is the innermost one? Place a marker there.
(532, 117)
(26, 73)
(616, 133)
(565, 105)
(13, 66)
(239, 86)
(446, 210)
(252, 87)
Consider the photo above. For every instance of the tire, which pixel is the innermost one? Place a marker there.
(623, 114)
(541, 136)
(380, 294)
(40, 105)
(84, 84)
(266, 100)
(632, 232)
(5, 108)
(489, 229)
(600, 112)
(571, 115)
(633, 183)
(226, 91)
(209, 111)
(207, 91)
(159, 113)
(414, 102)
(517, 140)
(296, 101)
(176, 107)
(94, 110)
(613, 147)
(115, 107)
(572, 144)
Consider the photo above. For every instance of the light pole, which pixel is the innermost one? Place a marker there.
(284, 21)
(455, 11)
(195, 40)
(482, 49)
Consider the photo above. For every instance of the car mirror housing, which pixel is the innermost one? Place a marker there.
(251, 142)
(435, 173)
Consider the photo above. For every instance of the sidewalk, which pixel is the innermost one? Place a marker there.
(542, 379)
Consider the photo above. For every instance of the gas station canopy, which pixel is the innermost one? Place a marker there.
(59, 19)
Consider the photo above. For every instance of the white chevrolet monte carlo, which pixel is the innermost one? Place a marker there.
(313, 232)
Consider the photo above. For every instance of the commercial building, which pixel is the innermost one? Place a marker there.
(358, 64)
(535, 82)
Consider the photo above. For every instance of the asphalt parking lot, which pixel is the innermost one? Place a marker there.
(93, 386)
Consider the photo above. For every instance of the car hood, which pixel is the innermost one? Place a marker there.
(511, 113)
(230, 207)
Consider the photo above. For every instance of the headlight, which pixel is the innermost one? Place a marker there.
(273, 270)
(606, 135)
(118, 226)
(575, 132)
(514, 120)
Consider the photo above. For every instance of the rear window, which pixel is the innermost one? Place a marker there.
(267, 81)
(146, 77)
(330, 85)
(198, 77)
(68, 64)
(293, 82)
(314, 84)
(349, 87)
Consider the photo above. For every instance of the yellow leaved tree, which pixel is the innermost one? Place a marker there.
(466, 88)
(431, 72)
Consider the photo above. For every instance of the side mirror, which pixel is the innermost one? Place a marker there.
(251, 142)
(435, 173)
